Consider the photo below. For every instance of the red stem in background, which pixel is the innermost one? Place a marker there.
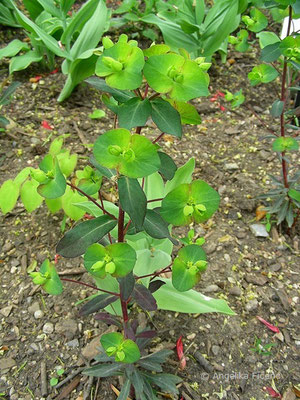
(158, 137)
(146, 90)
(154, 274)
(90, 286)
(102, 205)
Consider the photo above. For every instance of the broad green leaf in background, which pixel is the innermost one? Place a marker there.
(181, 78)
(166, 117)
(270, 52)
(168, 298)
(134, 112)
(77, 240)
(133, 200)
(262, 73)
(29, 195)
(132, 155)
(19, 63)
(190, 202)
(187, 267)
(13, 48)
(9, 193)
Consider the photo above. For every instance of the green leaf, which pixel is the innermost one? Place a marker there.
(124, 393)
(130, 62)
(13, 48)
(97, 303)
(270, 53)
(104, 370)
(167, 166)
(144, 297)
(156, 227)
(55, 186)
(282, 144)
(156, 49)
(21, 62)
(294, 194)
(277, 108)
(181, 78)
(182, 175)
(97, 114)
(67, 162)
(166, 117)
(188, 112)
(109, 173)
(267, 38)
(117, 259)
(9, 193)
(121, 96)
(133, 200)
(257, 22)
(132, 155)
(190, 202)
(124, 350)
(135, 112)
(22, 176)
(48, 278)
(29, 195)
(166, 382)
(262, 74)
(68, 200)
(168, 298)
(77, 240)
(53, 381)
(137, 382)
(91, 32)
(54, 205)
(186, 272)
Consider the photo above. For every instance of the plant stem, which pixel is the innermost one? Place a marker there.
(90, 286)
(283, 99)
(146, 90)
(121, 240)
(155, 274)
(152, 200)
(102, 205)
(91, 199)
(158, 137)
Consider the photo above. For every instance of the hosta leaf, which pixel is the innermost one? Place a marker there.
(13, 48)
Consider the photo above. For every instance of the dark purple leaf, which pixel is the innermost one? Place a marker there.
(129, 333)
(97, 303)
(147, 334)
(126, 286)
(144, 297)
(155, 285)
(108, 319)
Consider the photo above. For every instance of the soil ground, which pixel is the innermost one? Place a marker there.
(257, 276)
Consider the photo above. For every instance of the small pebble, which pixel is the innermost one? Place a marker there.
(73, 343)
(259, 230)
(211, 289)
(227, 257)
(251, 305)
(231, 166)
(235, 291)
(48, 328)
(215, 350)
(38, 314)
(34, 307)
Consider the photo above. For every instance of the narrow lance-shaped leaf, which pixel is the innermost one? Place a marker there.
(166, 117)
(144, 298)
(126, 286)
(97, 303)
(134, 112)
(77, 240)
(167, 166)
(133, 200)
(156, 226)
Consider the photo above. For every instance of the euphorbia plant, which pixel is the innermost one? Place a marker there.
(127, 246)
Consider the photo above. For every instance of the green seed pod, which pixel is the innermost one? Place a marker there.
(200, 208)
(38, 175)
(178, 78)
(107, 43)
(120, 355)
(110, 267)
(188, 210)
(111, 351)
(201, 265)
(113, 64)
(123, 38)
(129, 155)
(38, 278)
(97, 266)
(115, 150)
(193, 270)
